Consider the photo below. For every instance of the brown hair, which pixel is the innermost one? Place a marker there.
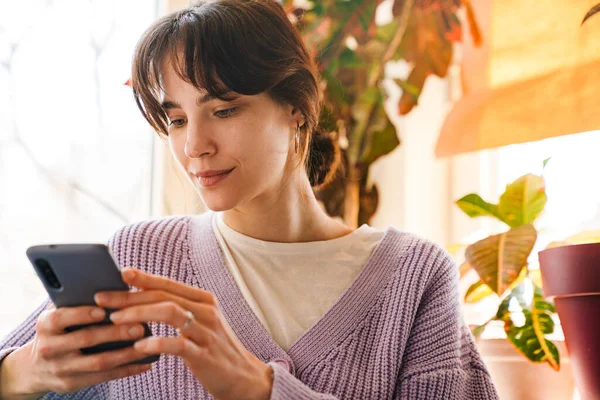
(244, 46)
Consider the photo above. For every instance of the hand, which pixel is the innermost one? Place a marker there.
(52, 362)
(219, 361)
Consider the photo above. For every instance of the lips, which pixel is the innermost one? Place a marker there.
(212, 177)
(212, 172)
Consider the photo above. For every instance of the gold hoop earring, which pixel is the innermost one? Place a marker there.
(297, 140)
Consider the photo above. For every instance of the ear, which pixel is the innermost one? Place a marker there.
(297, 117)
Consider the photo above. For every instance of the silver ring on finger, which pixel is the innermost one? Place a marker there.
(188, 322)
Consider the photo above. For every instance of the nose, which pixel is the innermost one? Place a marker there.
(197, 142)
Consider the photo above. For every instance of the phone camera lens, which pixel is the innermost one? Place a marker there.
(47, 273)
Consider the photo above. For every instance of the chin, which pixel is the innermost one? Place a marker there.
(218, 201)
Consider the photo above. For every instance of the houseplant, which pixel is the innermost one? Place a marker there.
(351, 51)
(502, 262)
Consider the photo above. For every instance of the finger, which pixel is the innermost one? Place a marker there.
(202, 328)
(87, 337)
(146, 281)
(121, 299)
(79, 381)
(178, 346)
(169, 312)
(99, 362)
(55, 321)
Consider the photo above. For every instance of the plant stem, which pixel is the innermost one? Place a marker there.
(394, 43)
(352, 200)
(338, 41)
(357, 138)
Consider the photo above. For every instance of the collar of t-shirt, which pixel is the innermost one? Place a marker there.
(362, 238)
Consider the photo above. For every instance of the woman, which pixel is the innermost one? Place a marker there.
(268, 298)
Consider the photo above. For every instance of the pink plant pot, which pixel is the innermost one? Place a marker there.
(571, 276)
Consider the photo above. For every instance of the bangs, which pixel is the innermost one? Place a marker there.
(225, 47)
(188, 42)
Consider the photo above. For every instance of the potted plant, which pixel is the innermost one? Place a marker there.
(571, 276)
(509, 279)
(502, 264)
(351, 51)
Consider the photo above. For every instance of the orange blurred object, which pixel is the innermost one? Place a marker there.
(535, 76)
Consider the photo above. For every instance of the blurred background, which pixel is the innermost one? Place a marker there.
(431, 101)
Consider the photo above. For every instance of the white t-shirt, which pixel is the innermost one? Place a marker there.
(289, 286)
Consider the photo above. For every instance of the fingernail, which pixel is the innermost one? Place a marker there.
(144, 367)
(135, 331)
(100, 297)
(116, 316)
(140, 344)
(129, 274)
(97, 313)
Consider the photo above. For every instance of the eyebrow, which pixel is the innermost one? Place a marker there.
(205, 98)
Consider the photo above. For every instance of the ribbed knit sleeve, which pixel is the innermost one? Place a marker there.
(22, 333)
(287, 387)
(441, 360)
(25, 332)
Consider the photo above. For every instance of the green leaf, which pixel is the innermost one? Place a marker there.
(478, 330)
(382, 142)
(363, 110)
(477, 292)
(365, 18)
(526, 329)
(386, 32)
(474, 206)
(523, 200)
(335, 89)
(333, 67)
(327, 120)
(408, 88)
(546, 162)
(349, 59)
(319, 8)
(499, 259)
(363, 102)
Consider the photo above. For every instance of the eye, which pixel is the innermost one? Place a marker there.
(177, 123)
(226, 113)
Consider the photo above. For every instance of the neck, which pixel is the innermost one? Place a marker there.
(287, 215)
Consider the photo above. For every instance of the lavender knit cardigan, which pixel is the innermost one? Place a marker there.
(395, 333)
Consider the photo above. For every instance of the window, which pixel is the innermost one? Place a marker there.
(573, 199)
(75, 152)
(573, 193)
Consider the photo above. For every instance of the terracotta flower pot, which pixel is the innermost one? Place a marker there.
(571, 276)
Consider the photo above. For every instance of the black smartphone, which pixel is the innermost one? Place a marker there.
(72, 274)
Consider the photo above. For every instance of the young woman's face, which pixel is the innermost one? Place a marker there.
(236, 152)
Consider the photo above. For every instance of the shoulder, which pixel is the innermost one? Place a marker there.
(419, 257)
(146, 232)
(150, 242)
